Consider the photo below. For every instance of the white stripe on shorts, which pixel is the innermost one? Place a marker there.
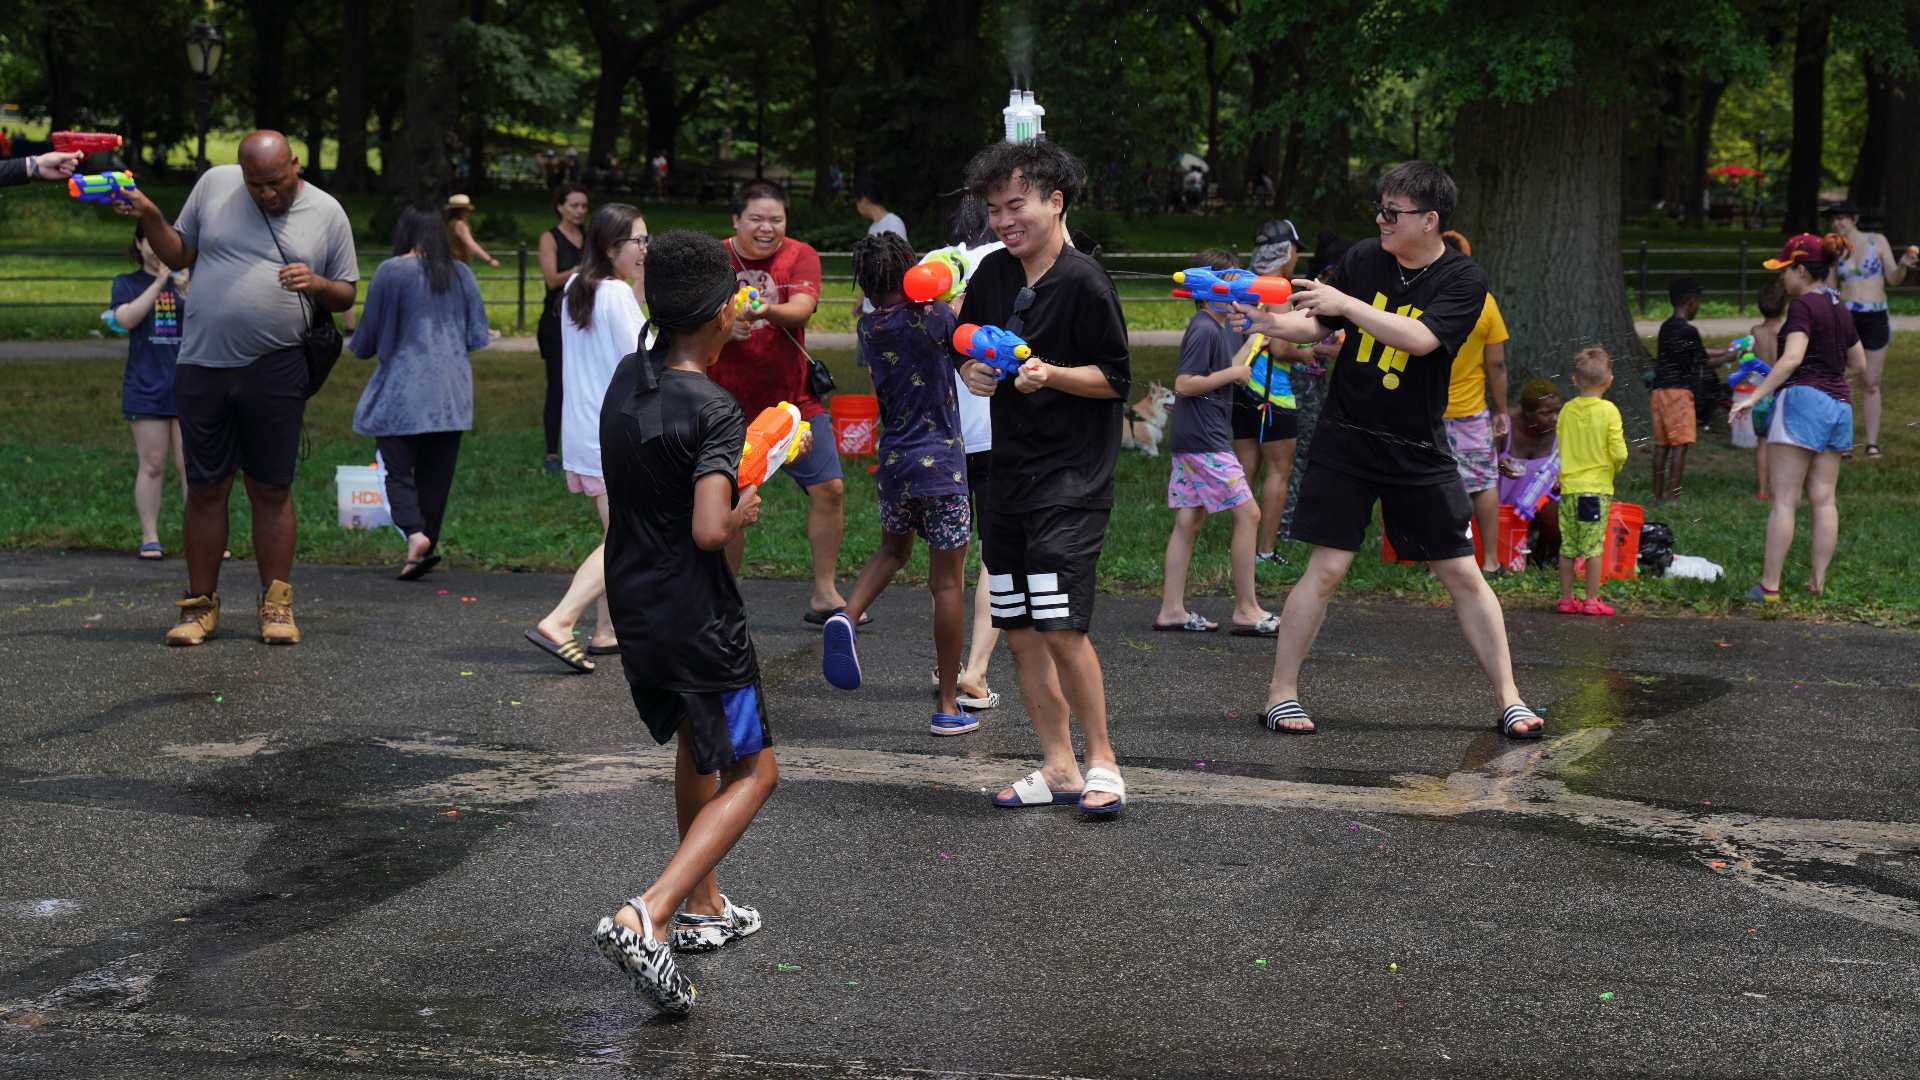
(1050, 613)
(1043, 583)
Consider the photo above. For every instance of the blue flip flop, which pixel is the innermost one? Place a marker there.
(949, 724)
(839, 660)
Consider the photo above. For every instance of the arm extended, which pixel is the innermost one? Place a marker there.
(716, 520)
(1795, 352)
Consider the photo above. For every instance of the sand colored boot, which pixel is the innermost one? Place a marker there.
(276, 616)
(199, 618)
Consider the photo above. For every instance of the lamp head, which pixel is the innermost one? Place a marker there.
(204, 45)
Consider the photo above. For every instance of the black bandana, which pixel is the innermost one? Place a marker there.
(644, 405)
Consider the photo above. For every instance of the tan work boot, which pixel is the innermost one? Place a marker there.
(276, 616)
(199, 618)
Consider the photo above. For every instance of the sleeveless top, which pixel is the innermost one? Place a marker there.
(1531, 490)
(1870, 267)
(566, 256)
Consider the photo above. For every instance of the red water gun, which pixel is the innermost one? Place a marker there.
(84, 142)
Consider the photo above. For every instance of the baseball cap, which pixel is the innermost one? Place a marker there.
(1805, 248)
(1273, 245)
(1843, 208)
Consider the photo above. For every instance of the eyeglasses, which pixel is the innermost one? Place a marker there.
(1021, 302)
(1389, 215)
(641, 240)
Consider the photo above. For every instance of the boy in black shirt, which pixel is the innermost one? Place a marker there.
(1408, 304)
(1679, 359)
(1056, 436)
(671, 441)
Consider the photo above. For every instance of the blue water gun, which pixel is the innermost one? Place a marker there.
(1219, 288)
(1001, 350)
(100, 187)
(1751, 373)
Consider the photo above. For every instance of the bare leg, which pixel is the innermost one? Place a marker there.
(274, 531)
(1789, 466)
(1485, 626)
(1566, 579)
(947, 579)
(1596, 567)
(1870, 394)
(589, 587)
(1823, 482)
(826, 526)
(204, 525)
(711, 822)
(1760, 465)
(1679, 467)
(973, 678)
(151, 440)
(1278, 456)
(1173, 587)
(1060, 676)
(1246, 523)
(1660, 473)
(1300, 619)
(1486, 514)
(895, 550)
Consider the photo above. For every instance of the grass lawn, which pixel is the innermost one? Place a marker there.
(66, 469)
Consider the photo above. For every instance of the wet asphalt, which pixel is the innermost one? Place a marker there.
(236, 861)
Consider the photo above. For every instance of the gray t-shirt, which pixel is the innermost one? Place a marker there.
(1204, 424)
(236, 311)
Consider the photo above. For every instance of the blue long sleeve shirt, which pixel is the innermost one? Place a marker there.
(424, 382)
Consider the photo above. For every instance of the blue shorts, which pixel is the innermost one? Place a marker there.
(1806, 417)
(820, 464)
(722, 727)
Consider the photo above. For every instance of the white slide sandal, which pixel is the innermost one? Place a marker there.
(1032, 790)
(1109, 781)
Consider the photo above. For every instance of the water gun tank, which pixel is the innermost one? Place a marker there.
(1021, 116)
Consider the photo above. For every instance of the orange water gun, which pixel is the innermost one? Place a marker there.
(773, 440)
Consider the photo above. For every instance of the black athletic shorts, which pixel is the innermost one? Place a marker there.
(242, 419)
(1874, 328)
(1424, 521)
(1040, 566)
(724, 727)
(1268, 425)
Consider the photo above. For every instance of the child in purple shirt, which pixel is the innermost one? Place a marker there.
(922, 474)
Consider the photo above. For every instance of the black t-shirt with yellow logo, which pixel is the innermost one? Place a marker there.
(1382, 419)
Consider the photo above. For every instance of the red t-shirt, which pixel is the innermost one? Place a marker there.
(770, 366)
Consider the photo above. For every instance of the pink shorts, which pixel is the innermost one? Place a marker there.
(1214, 481)
(591, 486)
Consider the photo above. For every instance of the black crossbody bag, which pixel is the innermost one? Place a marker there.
(321, 341)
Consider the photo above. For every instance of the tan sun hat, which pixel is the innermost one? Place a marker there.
(458, 202)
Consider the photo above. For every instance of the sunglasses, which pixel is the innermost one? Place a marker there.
(1389, 215)
(1021, 302)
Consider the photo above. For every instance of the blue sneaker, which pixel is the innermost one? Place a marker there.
(948, 724)
(839, 661)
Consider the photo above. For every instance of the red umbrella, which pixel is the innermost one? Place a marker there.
(1734, 170)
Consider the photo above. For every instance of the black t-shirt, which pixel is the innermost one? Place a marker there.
(1382, 417)
(1052, 448)
(1204, 424)
(677, 609)
(1679, 356)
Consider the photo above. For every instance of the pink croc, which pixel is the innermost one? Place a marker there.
(1569, 607)
(1597, 607)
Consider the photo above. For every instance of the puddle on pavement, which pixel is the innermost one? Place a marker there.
(325, 859)
(1606, 699)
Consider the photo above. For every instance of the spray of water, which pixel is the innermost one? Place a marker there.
(1020, 49)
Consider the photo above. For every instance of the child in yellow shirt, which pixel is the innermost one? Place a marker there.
(1593, 447)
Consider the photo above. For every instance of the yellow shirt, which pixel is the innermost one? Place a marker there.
(1467, 392)
(1593, 446)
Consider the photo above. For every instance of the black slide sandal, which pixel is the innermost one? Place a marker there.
(569, 653)
(1516, 714)
(819, 618)
(1288, 710)
(414, 571)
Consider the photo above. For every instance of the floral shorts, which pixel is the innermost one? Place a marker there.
(1214, 481)
(1471, 440)
(943, 521)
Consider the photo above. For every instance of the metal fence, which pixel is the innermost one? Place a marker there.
(1745, 275)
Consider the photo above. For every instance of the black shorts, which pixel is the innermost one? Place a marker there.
(1874, 328)
(1424, 522)
(723, 727)
(1041, 566)
(979, 471)
(1268, 425)
(242, 419)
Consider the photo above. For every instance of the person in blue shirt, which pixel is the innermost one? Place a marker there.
(146, 306)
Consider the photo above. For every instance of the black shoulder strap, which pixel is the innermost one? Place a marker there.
(268, 221)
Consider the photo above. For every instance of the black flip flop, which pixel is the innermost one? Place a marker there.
(819, 618)
(569, 653)
(604, 650)
(414, 571)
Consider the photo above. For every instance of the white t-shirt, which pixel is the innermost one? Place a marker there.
(890, 223)
(587, 360)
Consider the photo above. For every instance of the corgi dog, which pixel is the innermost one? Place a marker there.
(1146, 421)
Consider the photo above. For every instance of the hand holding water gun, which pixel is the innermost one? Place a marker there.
(1221, 289)
(748, 299)
(101, 187)
(1001, 350)
(85, 143)
(776, 437)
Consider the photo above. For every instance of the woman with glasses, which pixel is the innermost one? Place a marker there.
(602, 322)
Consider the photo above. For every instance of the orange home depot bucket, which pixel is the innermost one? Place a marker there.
(1621, 557)
(1511, 547)
(856, 422)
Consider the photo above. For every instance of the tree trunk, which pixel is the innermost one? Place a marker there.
(1539, 194)
(1867, 186)
(59, 69)
(820, 38)
(1902, 176)
(609, 96)
(269, 20)
(1804, 172)
(937, 117)
(350, 172)
(1263, 149)
(433, 104)
(1695, 192)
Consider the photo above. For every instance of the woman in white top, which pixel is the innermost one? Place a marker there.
(601, 323)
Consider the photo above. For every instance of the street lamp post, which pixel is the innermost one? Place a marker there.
(204, 45)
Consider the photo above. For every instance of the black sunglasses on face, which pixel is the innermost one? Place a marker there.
(1389, 215)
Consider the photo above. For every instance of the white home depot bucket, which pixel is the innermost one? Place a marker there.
(361, 493)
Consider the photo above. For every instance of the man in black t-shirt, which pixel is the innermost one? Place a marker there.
(671, 442)
(1056, 436)
(1407, 303)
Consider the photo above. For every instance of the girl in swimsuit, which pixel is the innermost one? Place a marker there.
(1530, 467)
(1864, 276)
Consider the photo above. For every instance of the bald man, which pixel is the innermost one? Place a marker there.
(269, 252)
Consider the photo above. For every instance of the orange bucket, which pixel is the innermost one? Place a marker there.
(1621, 557)
(856, 423)
(1511, 546)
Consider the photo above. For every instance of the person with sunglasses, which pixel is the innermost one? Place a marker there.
(1056, 438)
(1410, 302)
